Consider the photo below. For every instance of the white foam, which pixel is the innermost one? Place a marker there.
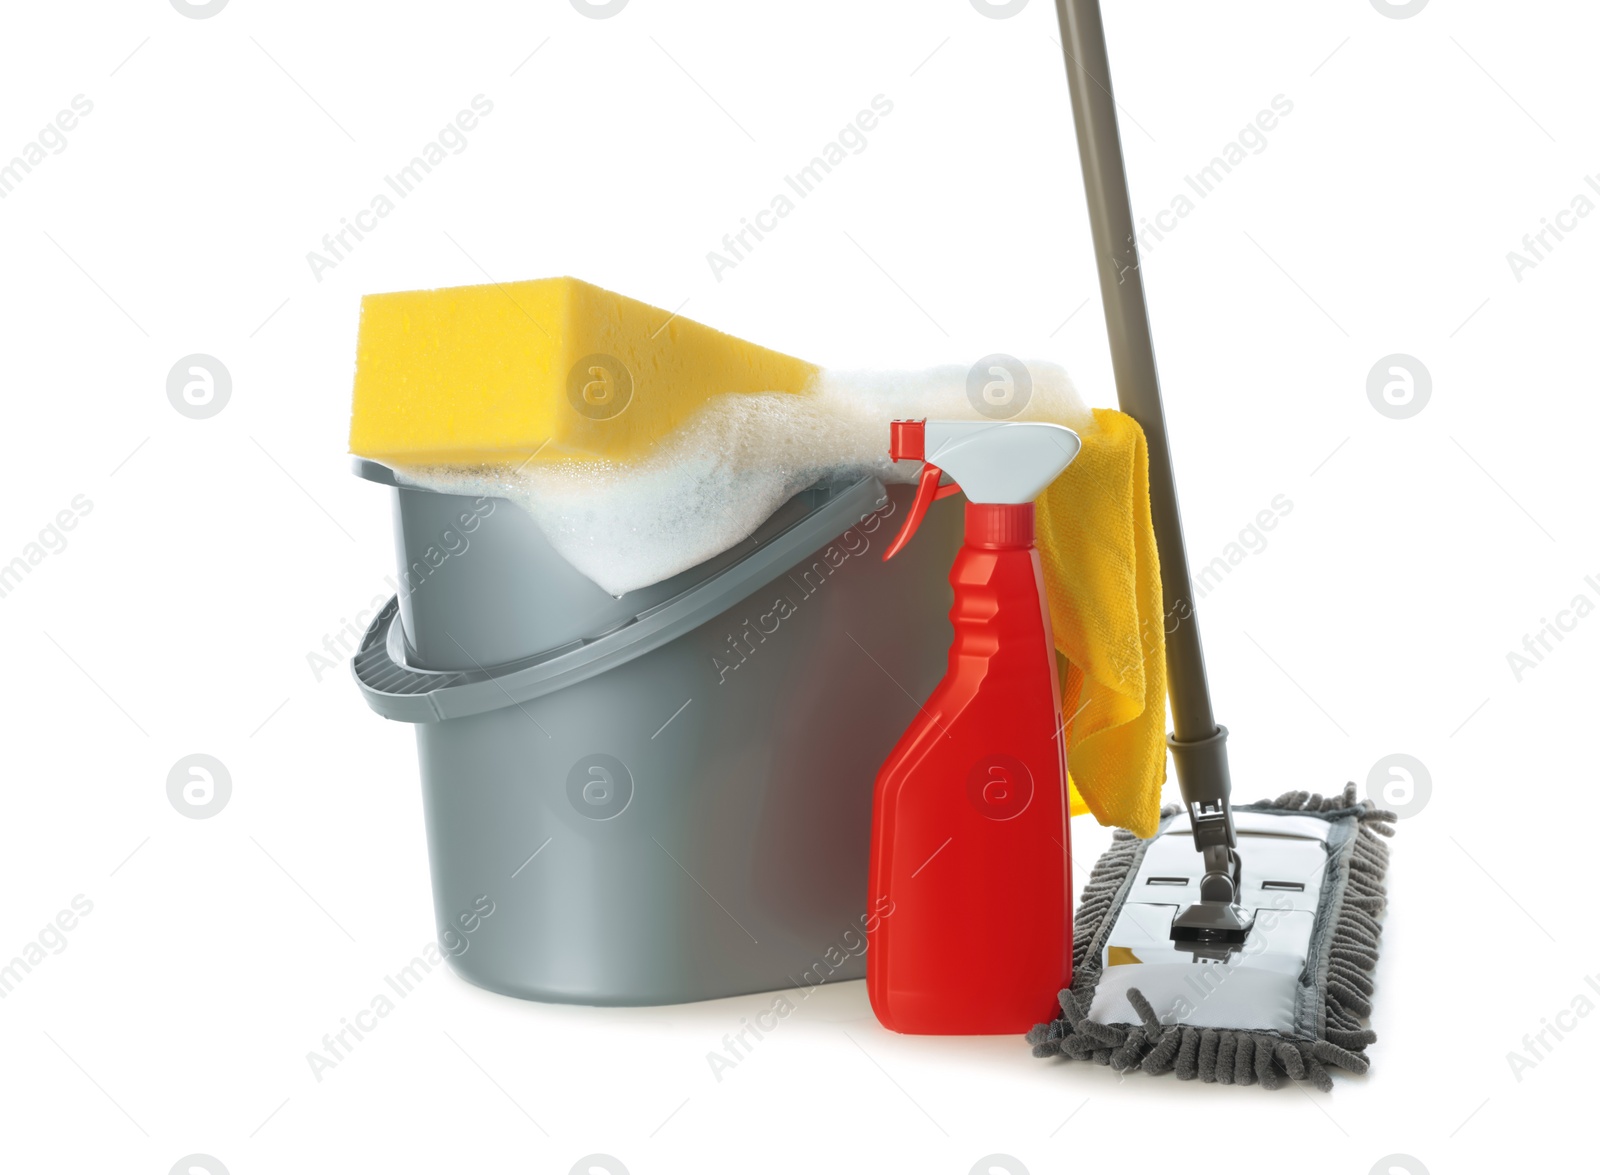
(708, 485)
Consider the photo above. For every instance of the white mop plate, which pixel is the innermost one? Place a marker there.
(1285, 860)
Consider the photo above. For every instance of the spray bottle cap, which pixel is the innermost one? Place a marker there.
(992, 462)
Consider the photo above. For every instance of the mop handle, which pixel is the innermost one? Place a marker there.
(1133, 359)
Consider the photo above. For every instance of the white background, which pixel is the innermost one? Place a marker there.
(218, 553)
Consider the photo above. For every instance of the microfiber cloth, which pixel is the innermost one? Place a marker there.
(1103, 584)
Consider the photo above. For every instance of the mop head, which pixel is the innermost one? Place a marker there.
(1290, 1003)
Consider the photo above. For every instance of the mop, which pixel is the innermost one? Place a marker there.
(1286, 1002)
(1253, 961)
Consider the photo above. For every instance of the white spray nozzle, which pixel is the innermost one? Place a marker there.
(1000, 462)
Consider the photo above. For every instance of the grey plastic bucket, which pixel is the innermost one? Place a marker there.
(666, 796)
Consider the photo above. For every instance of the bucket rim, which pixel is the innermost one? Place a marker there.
(402, 692)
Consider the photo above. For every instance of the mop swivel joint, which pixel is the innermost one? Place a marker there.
(1216, 926)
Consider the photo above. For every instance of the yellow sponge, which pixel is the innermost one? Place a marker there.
(555, 367)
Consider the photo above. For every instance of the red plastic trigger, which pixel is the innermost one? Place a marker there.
(928, 492)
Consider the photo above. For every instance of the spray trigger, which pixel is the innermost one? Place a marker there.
(929, 491)
(908, 442)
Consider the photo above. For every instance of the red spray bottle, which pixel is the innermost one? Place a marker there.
(970, 851)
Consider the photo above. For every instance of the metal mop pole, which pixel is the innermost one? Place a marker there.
(1198, 744)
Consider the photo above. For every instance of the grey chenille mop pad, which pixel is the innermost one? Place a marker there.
(1290, 1003)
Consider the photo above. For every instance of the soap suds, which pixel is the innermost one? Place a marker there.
(712, 482)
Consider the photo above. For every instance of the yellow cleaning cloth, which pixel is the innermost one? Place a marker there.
(1103, 584)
